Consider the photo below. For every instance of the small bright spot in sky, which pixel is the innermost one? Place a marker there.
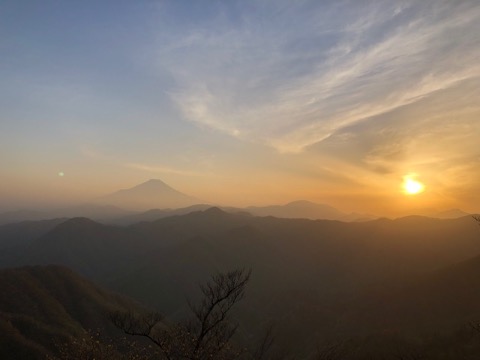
(243, 103)
(412, 186)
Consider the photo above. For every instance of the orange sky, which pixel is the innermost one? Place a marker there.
(325, 101)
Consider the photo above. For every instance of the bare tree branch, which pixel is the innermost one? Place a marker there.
(207, 334)
(265, 344)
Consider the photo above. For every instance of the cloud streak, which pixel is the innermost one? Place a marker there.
(294, 85)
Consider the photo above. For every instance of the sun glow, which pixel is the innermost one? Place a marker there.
(412, 186)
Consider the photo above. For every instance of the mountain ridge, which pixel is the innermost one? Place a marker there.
(45, 306)
(304, 270)
(150, 194)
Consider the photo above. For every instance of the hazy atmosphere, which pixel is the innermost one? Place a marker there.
(240, 179)
(368, 106)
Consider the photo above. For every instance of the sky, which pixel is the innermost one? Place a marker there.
(242, 102)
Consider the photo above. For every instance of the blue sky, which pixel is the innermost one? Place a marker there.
(242, 102)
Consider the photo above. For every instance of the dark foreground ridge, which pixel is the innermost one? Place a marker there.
(413, 276)
(44, 306)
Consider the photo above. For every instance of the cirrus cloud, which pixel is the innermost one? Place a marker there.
(272, 79)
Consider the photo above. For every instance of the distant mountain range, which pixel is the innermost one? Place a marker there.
(156, 214)
(295, 210)
(448, 214)
(300, 209)
(103, 213)
(154, 199)
(305, 272)
(153, 194)
(303, 209)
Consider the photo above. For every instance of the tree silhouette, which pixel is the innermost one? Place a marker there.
(207, 334)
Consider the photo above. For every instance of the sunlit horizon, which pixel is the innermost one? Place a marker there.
(243, 103)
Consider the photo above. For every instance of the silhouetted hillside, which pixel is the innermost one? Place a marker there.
(299, 209)
(434, 303)
(41, 307)
(14, 238)
(305, 272)
(106, 213)
(21, 215)
(337, 255)
(156, 214)
(95, 250)
(20, 234)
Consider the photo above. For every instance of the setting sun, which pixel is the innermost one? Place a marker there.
(411, 186)
(169, 157)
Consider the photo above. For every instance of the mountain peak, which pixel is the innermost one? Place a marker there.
(152, 194)
(214, 210)
(154, 181)
(78, 223)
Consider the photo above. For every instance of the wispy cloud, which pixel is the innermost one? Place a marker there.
(290, 84)
(92, 153)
